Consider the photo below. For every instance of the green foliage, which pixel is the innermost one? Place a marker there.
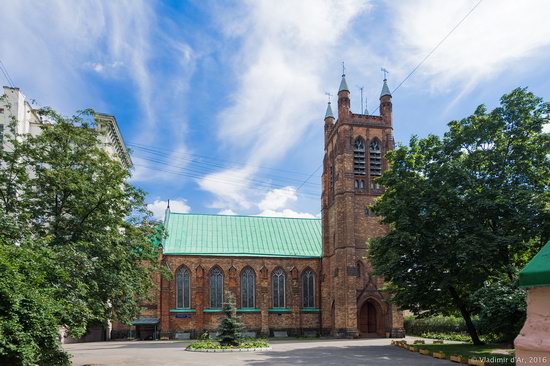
(466, 209)
(67, 208)
(459, 337)
(243, 343)
(502, 309)
(29, 328)
(230, 327)
(434, 324)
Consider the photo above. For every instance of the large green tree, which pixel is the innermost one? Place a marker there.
(465, 210)
(62, 189)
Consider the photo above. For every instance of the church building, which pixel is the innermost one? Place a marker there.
(289, 276)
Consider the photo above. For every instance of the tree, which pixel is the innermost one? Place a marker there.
(467, 209)
(230, 327)
(29, 329)
(61, 189)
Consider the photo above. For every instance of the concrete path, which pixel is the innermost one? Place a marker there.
(288, 352)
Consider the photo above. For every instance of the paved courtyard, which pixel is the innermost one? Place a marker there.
(287, 352)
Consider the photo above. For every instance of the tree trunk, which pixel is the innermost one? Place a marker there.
(466, 315)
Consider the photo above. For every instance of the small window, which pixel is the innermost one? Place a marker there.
(367, 213)
(1, 110)
(216, 289)
(278, 284)
(1, 134)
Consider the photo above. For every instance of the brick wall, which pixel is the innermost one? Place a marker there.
(263, 321)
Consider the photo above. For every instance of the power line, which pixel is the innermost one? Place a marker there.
(6, 74)
(205, 167)
(434, 49)
(194, 157)
(241, 183)
(199, 173)
(417, 66)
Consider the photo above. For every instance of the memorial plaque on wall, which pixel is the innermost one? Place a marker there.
(353, 271)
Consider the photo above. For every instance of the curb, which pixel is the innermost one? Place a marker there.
(229, 349)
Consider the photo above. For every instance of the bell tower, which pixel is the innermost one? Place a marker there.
(352, 302)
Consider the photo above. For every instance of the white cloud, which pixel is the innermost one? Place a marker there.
(275, 203)
(278, 198)
(287, 213)
(282, 68)
(158, 207)
(53, 48)
(230, 187)
(495, 37)
(227, 211)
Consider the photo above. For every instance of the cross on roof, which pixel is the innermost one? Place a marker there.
(385, 72)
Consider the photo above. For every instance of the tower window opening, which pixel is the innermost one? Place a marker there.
(359, 156)
(331, 177)
(375, 156)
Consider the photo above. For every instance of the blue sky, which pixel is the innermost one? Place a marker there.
(222, 103)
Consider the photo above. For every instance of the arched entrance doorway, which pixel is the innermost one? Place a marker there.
(370, 320)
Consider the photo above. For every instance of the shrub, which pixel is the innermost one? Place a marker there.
(502, 310)
(435, 324)
(244, 343)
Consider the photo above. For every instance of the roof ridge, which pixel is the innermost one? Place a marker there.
(251, 216)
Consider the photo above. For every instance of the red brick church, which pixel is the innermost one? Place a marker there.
(289, 276)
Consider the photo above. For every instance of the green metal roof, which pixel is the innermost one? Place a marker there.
(254, 236)
(145, 321)
(537, 272)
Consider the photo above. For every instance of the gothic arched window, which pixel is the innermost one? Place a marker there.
(278, 284)
(308, 289)
(183, 288)
(375, 155)
(248, 286)
(359, 156)
(216, 289)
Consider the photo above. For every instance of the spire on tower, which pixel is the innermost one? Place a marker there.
(343, 84)
(328, 113)
(385, 88)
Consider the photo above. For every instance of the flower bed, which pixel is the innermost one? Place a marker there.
(208, 345)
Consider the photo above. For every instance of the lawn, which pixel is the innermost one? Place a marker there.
(498, 353)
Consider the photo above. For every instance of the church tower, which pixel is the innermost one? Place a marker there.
(352, 302)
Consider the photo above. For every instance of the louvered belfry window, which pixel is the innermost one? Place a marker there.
(359, 156)
(375, 155)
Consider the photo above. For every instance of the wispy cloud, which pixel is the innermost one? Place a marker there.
(287, 47)
(495, 38)
(56, 51)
